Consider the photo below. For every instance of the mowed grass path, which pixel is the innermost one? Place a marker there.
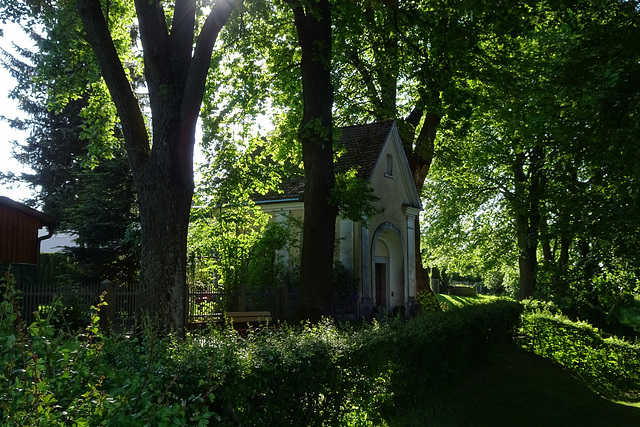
(517, 389)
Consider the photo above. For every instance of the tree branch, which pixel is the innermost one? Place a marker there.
(182, 33)
(199, 67)
(368, 80)
(156, 47)
(133, 126)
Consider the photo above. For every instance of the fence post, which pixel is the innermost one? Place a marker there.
(284, 295)
(107, 313)
(242, 298)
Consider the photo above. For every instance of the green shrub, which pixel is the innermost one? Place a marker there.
(609, 365)
(50, 377)
(432, 349)
(308, 375)
(47, 378)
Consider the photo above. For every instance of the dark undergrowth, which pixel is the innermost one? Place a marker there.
(459, 367)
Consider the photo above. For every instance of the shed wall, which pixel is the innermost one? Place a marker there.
(18, 237)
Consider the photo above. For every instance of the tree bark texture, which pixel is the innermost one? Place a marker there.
(162, 167)
(313, 25)
(420, 150)
(525, 203)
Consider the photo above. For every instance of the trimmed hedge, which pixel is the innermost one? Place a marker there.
(330, 374)
(610, 365)
(430, 350)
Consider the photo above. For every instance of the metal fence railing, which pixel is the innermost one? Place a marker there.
(206, 303)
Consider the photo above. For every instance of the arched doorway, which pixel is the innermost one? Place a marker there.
(388, 268)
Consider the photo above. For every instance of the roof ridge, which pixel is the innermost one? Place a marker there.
(380, 122)
(46, 219)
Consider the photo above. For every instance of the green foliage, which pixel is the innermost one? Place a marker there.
(325, 374)
(47, 378)
(597, 297)
(226, 224)
(224, 240)
(355, 198)
(429, 303)
(257, 79)
(239, 246)
(266, 267)
(230, 236)
(608, 364)
(630, 315)
(308, 375)
(56, 268)
(542, 170)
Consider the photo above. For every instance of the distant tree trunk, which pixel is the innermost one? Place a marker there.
(527, 258)
(555, 258)
(420, 150)
(175, 73)
(526, 207)
(313, 25)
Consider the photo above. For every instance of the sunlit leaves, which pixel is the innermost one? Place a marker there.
(355, 197)
(552, 136)
(256, 81)
(226, 224)
(64, 69)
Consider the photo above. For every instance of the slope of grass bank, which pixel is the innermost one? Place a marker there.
(515, 388)
(452, 301)
(522, 388)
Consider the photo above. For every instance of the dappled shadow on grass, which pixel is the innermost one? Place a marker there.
(454, 301)
(515, 388)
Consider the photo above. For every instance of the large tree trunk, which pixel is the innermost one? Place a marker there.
(527, 258)
(420, 161)
(165, 190)
(313, 24)
(175, 73)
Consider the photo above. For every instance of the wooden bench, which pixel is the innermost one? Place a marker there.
(239, 320)
(244, 317)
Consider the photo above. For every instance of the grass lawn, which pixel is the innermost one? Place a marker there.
(516, 388)
(454, 301)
